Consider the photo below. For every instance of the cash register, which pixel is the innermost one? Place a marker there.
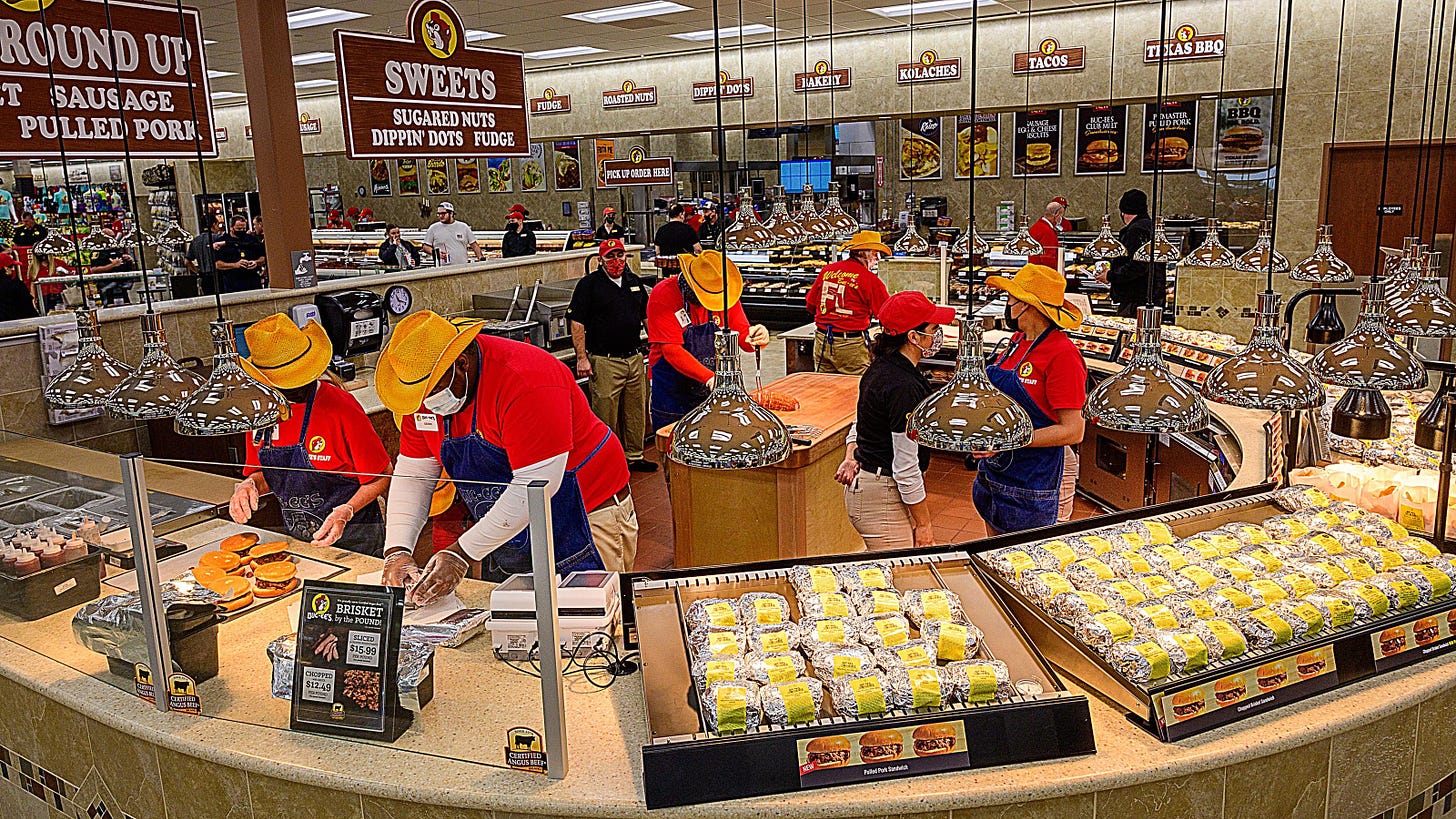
(356, 324)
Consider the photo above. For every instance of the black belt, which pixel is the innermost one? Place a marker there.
(617, 499)
(831, 333)
(634, 354)
(882, 471)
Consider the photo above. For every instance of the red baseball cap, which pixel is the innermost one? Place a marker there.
(6, 260)
(609, 245)
(909, 309)
(1060, 200)
(609, 210)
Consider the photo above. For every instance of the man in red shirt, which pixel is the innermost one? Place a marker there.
(324, 463)
(493, 412)
(843, 299)
(1048, 233)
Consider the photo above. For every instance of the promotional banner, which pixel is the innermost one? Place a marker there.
(1243, 133)
(437, 176)
(920, 148)
(1101, 140)
(379, 178)
(408, 171)
(1037, 143)
(567, 164)
(533, 170)
(467, 175)
(1170, 136)
(978, 146)
(605, 149)
(150, 114)
(498, 176)
(430, 92)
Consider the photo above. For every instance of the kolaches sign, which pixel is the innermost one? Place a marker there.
(162, 108)
(430, 93)
(929, 68)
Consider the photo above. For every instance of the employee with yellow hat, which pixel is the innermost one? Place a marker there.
(489, 411)
(683, 314)
(843, 299)
(325, 463)
(1043, 371)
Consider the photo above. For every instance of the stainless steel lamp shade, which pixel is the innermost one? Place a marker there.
(781, 226)
(159, 386)
(729, 430)
(1262, 257)
(1264, 375)
(1105, 247)
(94, 374)
(1158, 249)
(969, 414)
(1022, 244)
(814, 226)
(1368, 357)
(1323, 265)
(1211, 253)
(230, 401)
(844, 225)
(1424, 310)
(746, 232)
(970, 243)
(1145, 396)
(911, 243)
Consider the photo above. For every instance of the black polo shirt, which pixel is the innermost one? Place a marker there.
(27, 237)
(613, 314)
(674, 238)
(238, 248)
(888, 392)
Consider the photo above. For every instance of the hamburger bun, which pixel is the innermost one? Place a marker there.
(210, 577)
(238, 544)
(827, 752)
(1242, 139)
(1038, 153)
(1229, 691)
(237, 593)
(1428, 630)
(227, 561)
(1270, 676)
(1188, 703)
(881, 746)
(274, 579)
(1100, 153)
(930, 740)
(270, 552)
(1392, 641)
(1169, 150)
(1309, 663)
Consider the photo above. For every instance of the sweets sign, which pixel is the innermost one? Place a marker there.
(430, 93)
(158, 63)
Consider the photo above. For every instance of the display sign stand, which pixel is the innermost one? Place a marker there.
(154, 618)
(548, 627)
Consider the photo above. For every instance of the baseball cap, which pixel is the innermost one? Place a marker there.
(1060, 200)
(610, 245)
(446, 206)
(909, 309)
(6, 260)
(609, 211)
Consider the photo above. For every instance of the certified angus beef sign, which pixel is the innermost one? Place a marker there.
(58, 84)
(430, 93)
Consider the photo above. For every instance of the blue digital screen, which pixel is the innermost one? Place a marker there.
(795, 174)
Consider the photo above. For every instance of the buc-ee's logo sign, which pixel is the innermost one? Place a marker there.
(438, 33)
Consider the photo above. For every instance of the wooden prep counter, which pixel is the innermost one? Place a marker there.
(790, 509)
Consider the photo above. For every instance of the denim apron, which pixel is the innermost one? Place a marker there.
(472, 458)
(674, 394)
(1020, 489)
(308, 495)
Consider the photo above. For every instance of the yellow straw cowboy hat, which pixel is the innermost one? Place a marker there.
(866, 240)
(705, 275)
(1043, 288)
(421, 349)
(282, 355)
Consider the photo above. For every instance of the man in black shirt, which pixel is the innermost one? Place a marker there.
(1128, 276)
(111, 260)
(608, 313)
(201, 261)
(240, 259)
(711, 228)
(609, 229)
(519, 240)
(675, 237)
(16, 301)
(29, 233)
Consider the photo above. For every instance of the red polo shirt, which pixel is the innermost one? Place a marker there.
(846, 296)
(340, 436)
(1054, 373)
(1050, 239)
(668, 315)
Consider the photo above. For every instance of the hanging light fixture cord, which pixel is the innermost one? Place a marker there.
(1335, 112)
(1445, 123)
(207, 252)
(1213, 130)
(130, 179)
(1158, 134)
(1428, 105)
(66, 175)
(1025, 177)
(721, 139)
(1283, 88)
(1385, 158)
(1111, 97)
(971, 205)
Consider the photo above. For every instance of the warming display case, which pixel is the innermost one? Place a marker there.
(340, 253)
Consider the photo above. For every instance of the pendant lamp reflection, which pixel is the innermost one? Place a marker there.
(838, 218)
(1323, 265)
(970, 243)
(95, 241)
(159, 386)
(911, 243)
(1326, 327)
(1431, 423)
(1105, 247)
(171, 235)
(1368, 357)
(92, 376)
(54, 244)
(1158, 248)
(1424, 311)
(746, 232)
(1211, 253)
(1264, 375)
(969, 414)
(729, 430)
(815, 228)
(1145, 396)
(1023, 244)
(781, 226)
(1262, 257)
(230, 401)
(1407, 276)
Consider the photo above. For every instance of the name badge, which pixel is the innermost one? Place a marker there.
(427, 422)
(682, 318)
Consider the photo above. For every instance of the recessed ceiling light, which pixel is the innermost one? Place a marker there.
(320, 15)
(475, 35)
(313, 57)
(319, 83)
(556, 53)
(209, 42)
(212, 75)
(227, 95)
(725, 33)
(906, 9)
(632, 12)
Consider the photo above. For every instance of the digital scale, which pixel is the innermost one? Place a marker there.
(586, 602)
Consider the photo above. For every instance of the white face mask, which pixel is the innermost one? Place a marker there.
(445, 401)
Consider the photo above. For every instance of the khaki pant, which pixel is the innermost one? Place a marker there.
(1071, 465)
(614, 531)
(842, 354)
(618, 392)
(874, 507)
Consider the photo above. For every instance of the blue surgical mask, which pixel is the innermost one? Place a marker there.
(445, 401)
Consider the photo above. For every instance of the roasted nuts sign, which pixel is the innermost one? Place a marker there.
(1049, 57)
(726, 88)
(630, 95)
(57, 82)
(1185, 44)
(929, 68)
(430, 93)
(637, 169)
(551, 102)
(822, 78)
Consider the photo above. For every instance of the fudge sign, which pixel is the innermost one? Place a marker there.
(430, 93)
(68, 75)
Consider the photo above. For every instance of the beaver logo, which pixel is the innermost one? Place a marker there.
(438, 33)
(316, 444)
(1024, 370)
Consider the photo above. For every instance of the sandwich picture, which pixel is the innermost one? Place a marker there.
(1101, 154)
(1188, 703)
(1270, 676)
(1241, 139)
(1427, 631)
(274, 579)
(1310, 663)
(1168, 152)
(1451, 621)
(827, 752)
(881, 746)
(275, 551)
(1038, 154)
(931, 740)
(1229, 691)
(1392, 641)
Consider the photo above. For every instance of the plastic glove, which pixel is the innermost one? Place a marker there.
(758, 336)
(244, 501)
(400, 569)
(333, 526)
(443, 574)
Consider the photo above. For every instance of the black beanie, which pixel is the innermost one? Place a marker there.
(1134, 202)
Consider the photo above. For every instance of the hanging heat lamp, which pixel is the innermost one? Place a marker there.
(969, 414)
(1105, 247)
(1262, 256)
(1367, 361)
(1326, 327)
(1158, 249)
(970, 243)
(815, 228)
(54, 244)
(1211, 252)
(911, 243)
(782, 226)
(1145, 396)
(746, 233)
(1424, 311)
(230, 401)
(1264, 375)
(1023, 244)
(729, 430)
(94, 373)
(1323, 266)
(159, 386)
(838, 218)
(1431, 423)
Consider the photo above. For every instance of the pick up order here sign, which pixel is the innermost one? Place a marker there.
(430, 94)
(70, 75)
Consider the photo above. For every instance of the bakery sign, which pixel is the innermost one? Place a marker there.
(58, 85)
(551, 102)
(726, 87)
(430, 93)
(630, 95)
(637, 169)
(1185, 44)
(1049, 57)
(929, 68)
(822, 78)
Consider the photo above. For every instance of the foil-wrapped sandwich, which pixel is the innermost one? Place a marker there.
(1326, 574)
(1249, 534)
(763, 609)
(1380, 558)
(874, 574)
(1194, 578)
(1010, 562)
(1164, 558)
(1259, 558)
(1140, 661)
(775, 667)
(1155, 585)
(1188, 607)
(828, 663)
(1333, 541)
(1358, 568)
(1100, 631)
(791, 703)
(1088, 572)
(1223, 639)
(1042, 586)
(869, 693)
(1359, 537)
(1382, 529)
(952, 641)
(1074, 605)
(773, 639)
(929, 688)
(712, 612)
(1150, 617)
(1089, 545)
(825, 604)
(811, 580)
(1304, 616)
(1433, 583)
(1419, 544)
(1198, 548)
(914, 654)
(1297, 497)
(1337, 608)
(414, 662)
(980, 680)
(925, 605)
(1155, 532)
(1128, 564)
(1263, 628)
(884, 630)
(1186, 651)
(1347, 511)
(1292, 550)
(1120, 593)
(707, 670)
(1368, 600)
(818, 632)
(731, 706)
(1400, 592)
(1318, 520)
(1229, 569)
(1241, 596)
(1051, 555)
(876, 601)
(1123, 537)
(1296, 583)
(1285, 527)
(707, 642)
